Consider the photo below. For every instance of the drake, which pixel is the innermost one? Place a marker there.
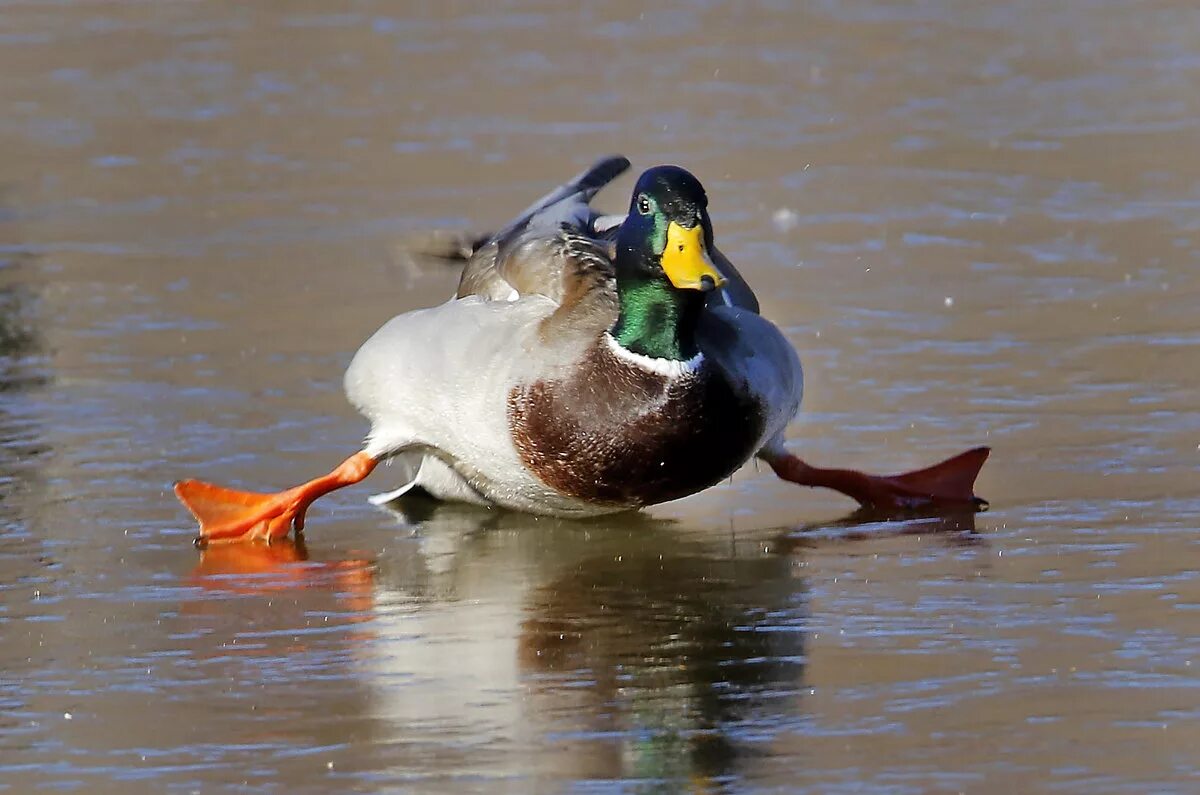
(587, 364)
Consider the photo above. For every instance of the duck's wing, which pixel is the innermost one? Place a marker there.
(571, 199)
(757, 361)
(534, 253)
(528, 255)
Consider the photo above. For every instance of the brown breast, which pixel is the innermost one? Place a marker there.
(617, 434)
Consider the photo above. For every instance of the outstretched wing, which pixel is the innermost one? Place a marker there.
(547, 245)
(534, 253)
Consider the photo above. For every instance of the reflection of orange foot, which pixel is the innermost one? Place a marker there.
(280, 565)
(948, 484)
(226, 515)
(224, 560)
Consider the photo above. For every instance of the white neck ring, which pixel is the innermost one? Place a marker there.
(671, 368)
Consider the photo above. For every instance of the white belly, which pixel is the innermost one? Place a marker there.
(440, 480)
(436, 381)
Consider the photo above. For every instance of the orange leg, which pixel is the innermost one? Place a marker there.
(226, 515)
(949, 484)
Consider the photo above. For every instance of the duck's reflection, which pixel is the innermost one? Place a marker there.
(628, 646)
(681, 653)
(505, 646)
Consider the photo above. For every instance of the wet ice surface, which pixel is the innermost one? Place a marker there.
(978, 225)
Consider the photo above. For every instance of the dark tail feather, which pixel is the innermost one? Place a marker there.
(444, 246)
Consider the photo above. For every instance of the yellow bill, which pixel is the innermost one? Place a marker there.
(686, 262)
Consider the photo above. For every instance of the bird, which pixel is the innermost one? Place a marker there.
(587, 364)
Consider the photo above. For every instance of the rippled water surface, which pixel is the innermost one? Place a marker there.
(979, 223)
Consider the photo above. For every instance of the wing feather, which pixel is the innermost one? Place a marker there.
(531, 255)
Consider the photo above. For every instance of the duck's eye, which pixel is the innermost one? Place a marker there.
(643, 204)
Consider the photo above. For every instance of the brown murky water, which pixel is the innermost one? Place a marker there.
(979, 223)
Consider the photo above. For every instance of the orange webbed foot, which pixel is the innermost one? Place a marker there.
(949, 483)
(227, 515)
(946, 485)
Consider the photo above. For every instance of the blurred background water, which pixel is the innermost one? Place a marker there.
(978, 223)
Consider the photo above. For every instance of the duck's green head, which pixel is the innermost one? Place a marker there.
(662, 265)
(668, 234)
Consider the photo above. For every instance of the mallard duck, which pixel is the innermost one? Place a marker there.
(587, 364)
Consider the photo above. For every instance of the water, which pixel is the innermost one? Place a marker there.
(978, 224)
